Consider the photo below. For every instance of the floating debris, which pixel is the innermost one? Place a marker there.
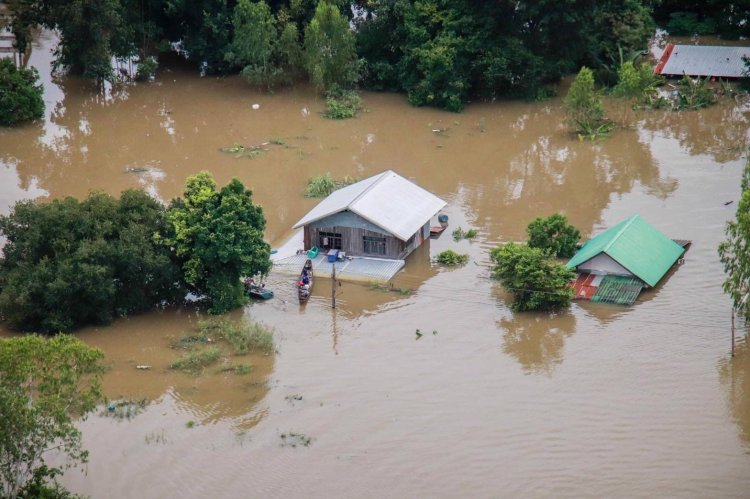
(293, 397)
(293, 439)
(418, 333)
(255, 107)
(142, 366)
(124, 408)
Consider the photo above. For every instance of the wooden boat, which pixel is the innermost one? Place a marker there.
(259, 292)
(305, 282)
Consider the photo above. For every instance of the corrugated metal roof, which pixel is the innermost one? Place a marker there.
(704, 60)
(618, 290)
(387, 200)
(636, 245)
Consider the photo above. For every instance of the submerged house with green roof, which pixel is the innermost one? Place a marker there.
(616, 265)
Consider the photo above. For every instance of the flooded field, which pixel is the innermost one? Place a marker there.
(598, 401)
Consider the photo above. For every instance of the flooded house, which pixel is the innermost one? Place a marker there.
(366, 229)
(703, 60)
(616, 265)
(383, 216)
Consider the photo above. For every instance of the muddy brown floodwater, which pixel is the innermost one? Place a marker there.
(598, 401)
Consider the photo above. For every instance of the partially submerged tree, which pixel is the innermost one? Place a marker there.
(554, 235)
(534, 281)
(583, 107)
(255, 38)
(44, 384)
(218, 237)
(637, 82)
(20, 94)
(329, 54)
(68, 263)
(734, 253)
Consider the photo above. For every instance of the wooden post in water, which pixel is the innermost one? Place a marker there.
(732, 331)
(333, 288)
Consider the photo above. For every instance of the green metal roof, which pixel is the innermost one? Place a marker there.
(636, 245)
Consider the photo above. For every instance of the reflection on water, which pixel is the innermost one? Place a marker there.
(537, 340)
(632, 402)
(146, 340)
(735, 375)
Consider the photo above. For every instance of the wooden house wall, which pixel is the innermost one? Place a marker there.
(353, 228)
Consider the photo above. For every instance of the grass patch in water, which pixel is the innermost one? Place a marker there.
(452, 259)
(323, 185)
(460, 233)
(195, 361)
(376, 286)
(244, 337)
(240, 369)
(342, 104)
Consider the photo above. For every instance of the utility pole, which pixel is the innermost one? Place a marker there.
(333, 292)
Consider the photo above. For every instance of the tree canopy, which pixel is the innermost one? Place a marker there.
(20, 94)
(69, 263)
(43, 384)
(553, 235)
(534, 281)
(734, 252)
(442, 53)
(218, 237)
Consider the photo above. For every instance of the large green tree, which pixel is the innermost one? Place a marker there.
(254, 42)
(20, 94)
(44, 385)
(734, 252)
(535, 282)
(218, 237)
(69, 263)
(329, 54)
(583, 106)
(553, 235)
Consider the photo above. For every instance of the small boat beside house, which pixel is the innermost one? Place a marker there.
(305, 282)
(257, 291)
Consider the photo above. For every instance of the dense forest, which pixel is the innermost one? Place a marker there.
(439, 52)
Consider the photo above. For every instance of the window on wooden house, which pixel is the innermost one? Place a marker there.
(374, 245)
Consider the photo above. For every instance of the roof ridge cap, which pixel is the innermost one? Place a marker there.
(380, 178)
(628, 223)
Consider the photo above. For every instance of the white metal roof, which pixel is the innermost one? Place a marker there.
(387, 200)
(706, 60)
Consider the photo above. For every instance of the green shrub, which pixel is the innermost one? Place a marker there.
(195, 361)
(20, 94)
(637, 82)
(146, 69)
(583, 107)
(451, 258)
(695, 93)
(342, 104)
(534, 282)
(460, 233)
(323, 185)
(320, 186)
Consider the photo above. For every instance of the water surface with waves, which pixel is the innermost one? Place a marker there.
(595, 401)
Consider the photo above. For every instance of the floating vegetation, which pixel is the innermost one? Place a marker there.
(190, 424)
(342, 104)
(451, 259)
(293, 397)
(459, 234)
(189, 342)
(195, 361)
(293, 439)
(323, 185)
(240, 369)
(240, 151)
(244, 337)
(124, 408)
(277, 141)
(376, 286)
